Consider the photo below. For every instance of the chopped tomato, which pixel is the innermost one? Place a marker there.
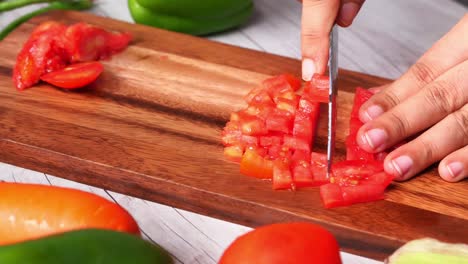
(354, 152)
(259, 97)
(318, 166)
(279, 123)
(360, 97)
(233, 153)
(74, 76)
(253, 126)
(303, 127)
(317, 93)
(86, 42)
(278, 151)
(351, 172)
(271, 140)
(282, 177)
(296, 143)
(282, 83)
(287, 105)
(302, 175)
(254, 165)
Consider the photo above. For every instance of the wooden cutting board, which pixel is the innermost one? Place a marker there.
(150, 127)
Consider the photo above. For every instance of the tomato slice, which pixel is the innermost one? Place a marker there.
(354, 152)
(331, 195)
(254, 165)
(351, 172)
(361, 96)
(74, 76)
(282, 177)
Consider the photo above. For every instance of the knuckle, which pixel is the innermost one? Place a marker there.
(423, 73)
(443, 96)
(461, 118)
(399, 124)
(388, 99)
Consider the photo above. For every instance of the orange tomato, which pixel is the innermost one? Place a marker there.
(284, 243)
(29, 211)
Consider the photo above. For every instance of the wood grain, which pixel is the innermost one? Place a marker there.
(142, 127)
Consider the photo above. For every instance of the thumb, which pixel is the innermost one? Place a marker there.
(318, 17)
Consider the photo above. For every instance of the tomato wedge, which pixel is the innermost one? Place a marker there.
(74, 76)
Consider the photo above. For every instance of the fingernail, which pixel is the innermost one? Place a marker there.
(454, 169)
(371, 113)
(400, 166)
(375, 138)
(348, 12)
(308, 69)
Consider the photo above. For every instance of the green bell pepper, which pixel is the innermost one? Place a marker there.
(200, 17)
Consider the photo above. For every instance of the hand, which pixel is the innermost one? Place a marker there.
(428, 102)
(318, 18)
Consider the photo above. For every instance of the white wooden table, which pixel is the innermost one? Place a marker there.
(385, 39)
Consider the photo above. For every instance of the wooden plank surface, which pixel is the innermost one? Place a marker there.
(171, 102)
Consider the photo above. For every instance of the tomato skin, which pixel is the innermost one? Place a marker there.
(75, 75)
(31, 211)
(296, 242)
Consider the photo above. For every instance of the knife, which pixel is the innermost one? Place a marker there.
(332, 74)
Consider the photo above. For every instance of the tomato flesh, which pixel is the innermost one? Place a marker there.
(74, 76)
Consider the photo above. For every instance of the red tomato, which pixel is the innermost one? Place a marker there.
(296, 143)
(39, 55)
(279, 123)
(318, 165)
(85, 42)
(282, 177)
(234, 153)
(75, 75)
(360, 97)
(280, 84)
(350, 172)
(298, 243)
(354, 152)
(254, 165)
(315, 93)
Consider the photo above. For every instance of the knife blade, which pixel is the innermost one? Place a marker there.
(332, 74)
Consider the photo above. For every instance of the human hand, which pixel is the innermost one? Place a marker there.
(318, 18)
(431, 98)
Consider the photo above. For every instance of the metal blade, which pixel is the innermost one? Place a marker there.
(333, 73)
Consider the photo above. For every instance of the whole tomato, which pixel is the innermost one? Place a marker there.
(284, 243)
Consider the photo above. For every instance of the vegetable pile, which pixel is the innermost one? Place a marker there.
(66, 56)
(49, 224)
(272, 138)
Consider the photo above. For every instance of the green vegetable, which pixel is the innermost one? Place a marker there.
(88, 246)
(54, 5)
(430, 251)
(200, 17)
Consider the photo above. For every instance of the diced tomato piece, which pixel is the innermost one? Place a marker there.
(260, 111)
(299, 156)
(318, 166)
(360, 97)
(320, 81)
(303, 126)
(270, 140)
(277, 151)
(260, 98)
(279, 123)
(296, 143)
(331, 195)
(307, 105)
(74, 76)
(252, 93)
(302, 175)
(316, 94)
(361, 194)
(254, 165)
(280, 83)
(282, 177)
(253, 126)
(247, 140)
(289, 95)
(234, 153)
(287, 105)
